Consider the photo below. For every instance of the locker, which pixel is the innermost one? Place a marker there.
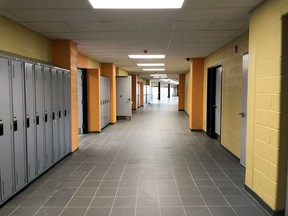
(39, 83)
(30, 122)
(67, 112)
(48, 117)
(105, 101)
(18, 124)
(6, 156)
(61, 112)
(55, 126)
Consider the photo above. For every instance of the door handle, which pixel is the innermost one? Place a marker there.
(242, 114)
(214, 106)
(1, 128)
(15, 124)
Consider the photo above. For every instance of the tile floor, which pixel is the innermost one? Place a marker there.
(150, 166)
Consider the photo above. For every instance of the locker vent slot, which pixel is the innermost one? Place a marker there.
(1, 128)
(15, 125)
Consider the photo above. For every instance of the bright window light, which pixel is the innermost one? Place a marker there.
(159, 76)
(151, 65)
(153, 69)
(146, 56)
(136, 4)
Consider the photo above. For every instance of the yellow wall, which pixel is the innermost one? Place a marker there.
(121, 72)
(231, 91)
(181, 92)
(267, 104)
(187, 93)
(17, 39)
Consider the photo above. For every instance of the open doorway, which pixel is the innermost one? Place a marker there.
(214, 98)
(82, 102)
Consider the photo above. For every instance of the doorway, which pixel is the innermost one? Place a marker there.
(82, 102)
(214, 101)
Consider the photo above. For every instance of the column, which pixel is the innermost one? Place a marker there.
(181, 92)
(159, 91)
(169, 90)
(141, 94)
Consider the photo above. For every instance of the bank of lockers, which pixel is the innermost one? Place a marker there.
(34, 121)
(105, 101)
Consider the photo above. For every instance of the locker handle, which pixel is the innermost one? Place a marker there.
(59, 113)
(1, 128)
(46, 117)
(65, 112)
(53, 115)
(37, 119)
(27, 121)
(15, 125)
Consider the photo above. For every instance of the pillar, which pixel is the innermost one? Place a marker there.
(196, 92)
(93, 93)
(141, 94)
(169, 90)
(109, 70)
(134, 95)
(64, 54)
(181, 92)
(159, 91)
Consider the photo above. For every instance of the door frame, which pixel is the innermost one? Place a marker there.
(211, 100)
(85, 99)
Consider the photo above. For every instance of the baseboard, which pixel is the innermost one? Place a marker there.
(230, 153)
(181, 110)
(124, 118)
(74, 152)
(196, 130)
(91, 132)
(263, 203)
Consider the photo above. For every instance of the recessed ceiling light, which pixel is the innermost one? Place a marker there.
(153, 69)
(151, 65)
(136, 4)
(146, 56)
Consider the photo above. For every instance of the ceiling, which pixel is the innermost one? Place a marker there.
(196, 30)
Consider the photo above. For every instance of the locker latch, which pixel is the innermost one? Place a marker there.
(53, 116)
(37, 119)
(59, 113)
(27, 121)
(1, 128)
(65, 112)
(15, 124)
(46, 117)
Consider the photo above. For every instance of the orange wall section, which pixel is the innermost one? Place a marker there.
(141, 94)
(181, 92)
(134, 95)
(64, 54)
(109, 70)
(94, 111)
(196, 92)
(82, 61)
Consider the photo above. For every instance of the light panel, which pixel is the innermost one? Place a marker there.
(146, 56)
(136, 4)
(153, 69)
(151, 65)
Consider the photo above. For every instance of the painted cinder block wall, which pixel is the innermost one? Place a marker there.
(267, 104)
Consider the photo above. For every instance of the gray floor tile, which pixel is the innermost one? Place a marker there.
(126, 192)
(98, 212)
(172, 211)
(230, 191)
(106, 192)
(57, 201)
(239, 201)
(147, 201)
(209, 191)
(49, 212)
(197, 211)
(90, 184)
(64, 192)
(102, 202)
(34, 201)
(196, 201)
(80, 202)
(170, 201)
(188, 191)
(74, 211)
(247, 211)
(86, 192)
(147, 211)
(6, 210)
(23, 211)
(125, 202)
(215, 201)
(123, 211)
(222, 211)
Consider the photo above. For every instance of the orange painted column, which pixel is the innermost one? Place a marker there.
(196, 92)
(64, 54)
(181, 92)
(141, 94)
(109, 70)
(134, 94)
(93, 93)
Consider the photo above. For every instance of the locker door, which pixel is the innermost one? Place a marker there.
(48, 117)
(6, 157)
(55, 115)
(67, 112)
(18, 124)
(30, 121)
(109, 102)
(60, 112)
(39, 83)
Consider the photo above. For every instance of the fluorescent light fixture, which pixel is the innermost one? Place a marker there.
(151, 65)
(153, 69)
(136, 4)
(146, 56)
(158, 76)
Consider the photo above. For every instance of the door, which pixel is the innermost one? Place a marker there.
(18, 124)
(6, 157)
(39, 86)
(80, 101)
(30, 121)
(61, 112)
(48, 117)
(243, 114)
(124, 96)
(55, 126)
(218, 97)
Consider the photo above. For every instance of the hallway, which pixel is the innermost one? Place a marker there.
(153, 165)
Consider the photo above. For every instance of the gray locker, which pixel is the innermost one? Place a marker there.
(55, 125)
(39, 83)
(67, 113)
(48, 117)
(6, 156)
(30, 122)
(18, 124)
(105, 101)
(61, 112)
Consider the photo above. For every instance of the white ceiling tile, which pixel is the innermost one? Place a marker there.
(229, 25)
(51, 27)
(221, 3)
(193, 25)
(157, 26)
